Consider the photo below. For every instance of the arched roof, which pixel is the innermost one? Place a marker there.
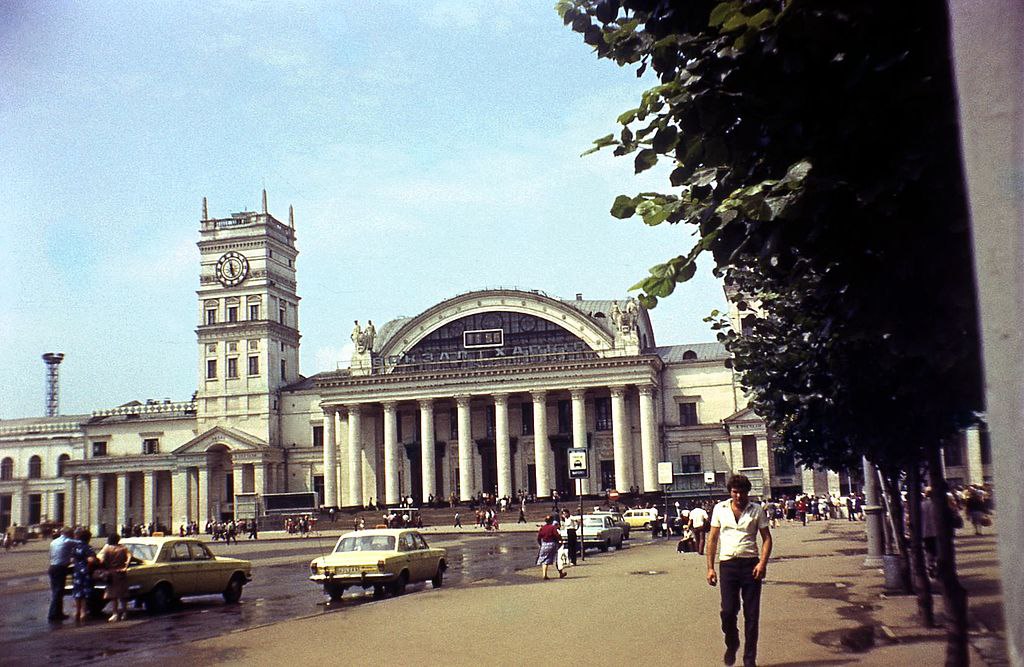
(402, 335)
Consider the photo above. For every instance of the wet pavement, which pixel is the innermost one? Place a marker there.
(280, 591)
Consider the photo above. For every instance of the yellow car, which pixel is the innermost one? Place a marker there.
(385, 559)
(164, 569)
(640, 518)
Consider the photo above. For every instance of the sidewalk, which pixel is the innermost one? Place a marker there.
(647, 605)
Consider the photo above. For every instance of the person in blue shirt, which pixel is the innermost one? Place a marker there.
(60, 559)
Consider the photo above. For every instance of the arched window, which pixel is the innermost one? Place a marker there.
(689, 354)
(7, 468)
(61, 460)
(35, 467)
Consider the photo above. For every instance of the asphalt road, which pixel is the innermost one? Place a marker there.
(280, 591)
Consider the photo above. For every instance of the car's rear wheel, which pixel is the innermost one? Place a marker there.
(647, 525)
(398, 587)
(233, 593)
(438, 580)
(160, 599)
(96, 604)
(605, 545)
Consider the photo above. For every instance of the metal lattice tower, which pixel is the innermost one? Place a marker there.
(52, 360)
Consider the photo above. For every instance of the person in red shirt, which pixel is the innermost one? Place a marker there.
(548, 539)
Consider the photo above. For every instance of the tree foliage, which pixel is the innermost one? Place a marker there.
(814, 155)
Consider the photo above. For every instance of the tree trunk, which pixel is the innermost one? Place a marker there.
(895, 506)
(953, 594)
(925, 605)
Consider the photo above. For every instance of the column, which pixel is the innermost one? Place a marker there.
(807, 479)
(620, 440)
(95, 503)
(179, 499)
(648, 438)
(121, 515)
(237, 480)
(832, 483)
(203, 494)
(427, 447)
(873, 515)
(466, 478)
(71, 512)
(330, 460)
(579, 431)
(355, 456)
(975, 469)
(149, 497)
(542, 455)
(391, 462)
(502, 446)
(259, 478)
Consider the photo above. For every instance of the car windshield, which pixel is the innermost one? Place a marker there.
(142, 551)
(593, 521)
(365, 543)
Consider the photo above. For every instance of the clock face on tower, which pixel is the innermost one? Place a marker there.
(232, 269)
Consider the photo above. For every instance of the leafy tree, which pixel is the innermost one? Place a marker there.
(815, 156)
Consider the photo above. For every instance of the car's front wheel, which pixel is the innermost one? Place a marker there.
(605, 546)
(334, 591)
(233, 593)
(160, 599)
(438, 579)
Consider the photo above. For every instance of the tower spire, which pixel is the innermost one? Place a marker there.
(206, 215)
(264, 201)
(291, 216)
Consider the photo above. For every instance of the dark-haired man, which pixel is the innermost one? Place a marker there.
(734, 527)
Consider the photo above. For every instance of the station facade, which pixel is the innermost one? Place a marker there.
(482, 393)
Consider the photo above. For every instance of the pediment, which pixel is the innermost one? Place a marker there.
(222, 436)
(744, 415)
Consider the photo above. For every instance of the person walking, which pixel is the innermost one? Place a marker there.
(699, 524)
(735, 524)
(83, 560)
(571, 528)
(115, 557)
(547, 543)
(458, 521)
(60, 560)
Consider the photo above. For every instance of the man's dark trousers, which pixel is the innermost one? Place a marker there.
(58, 574)
(736, 580)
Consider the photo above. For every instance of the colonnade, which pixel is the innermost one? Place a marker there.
(358, 450)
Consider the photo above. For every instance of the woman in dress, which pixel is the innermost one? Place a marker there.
(115, 557)
(547, 540)
(83, 559)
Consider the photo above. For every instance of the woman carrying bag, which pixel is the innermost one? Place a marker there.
(115, 557)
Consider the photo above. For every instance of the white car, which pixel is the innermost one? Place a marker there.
(619, 521)
(598, 530)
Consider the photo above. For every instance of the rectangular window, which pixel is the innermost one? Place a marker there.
(749, 451)
(211, 369)
(229, 487)
(607, 475)
(527, 409)
(254, 344)
(232, 313)
(785, 463)
(284, 367)
(59, 500)
(254, 311)
(690, 463)
(688, 414)
(35, 508)
(254, 365)
(232, 368)
(281, 314)
(211, 315)
(150, 446)
(233, 347)
(318, 435)
(603, 411)
(453, 422)
(99, 449)
(564, 417)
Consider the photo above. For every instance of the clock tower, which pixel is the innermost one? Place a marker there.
(248, 331)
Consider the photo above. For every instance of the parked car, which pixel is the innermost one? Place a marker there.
(163, 570)
(640, 518)
(618, 520)
(598, 530)
(385, 559)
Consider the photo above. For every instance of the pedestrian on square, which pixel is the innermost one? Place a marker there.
(114, 558)
(458, 521)
(699, 523)
(547, 543)
(60, 560)
(83, 560)
(735, 524)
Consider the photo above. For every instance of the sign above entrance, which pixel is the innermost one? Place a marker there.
(577, 463)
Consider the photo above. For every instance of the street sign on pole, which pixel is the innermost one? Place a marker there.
(578, 463)
(665, 472)
(709, 477)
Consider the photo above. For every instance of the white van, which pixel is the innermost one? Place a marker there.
(640, 518)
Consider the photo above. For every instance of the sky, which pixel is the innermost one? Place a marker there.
(429, 149)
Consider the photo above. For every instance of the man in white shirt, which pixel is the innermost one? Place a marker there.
(734, 527)
(698, 522)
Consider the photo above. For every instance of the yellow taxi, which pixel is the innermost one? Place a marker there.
(385, 559)
(640, 517)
